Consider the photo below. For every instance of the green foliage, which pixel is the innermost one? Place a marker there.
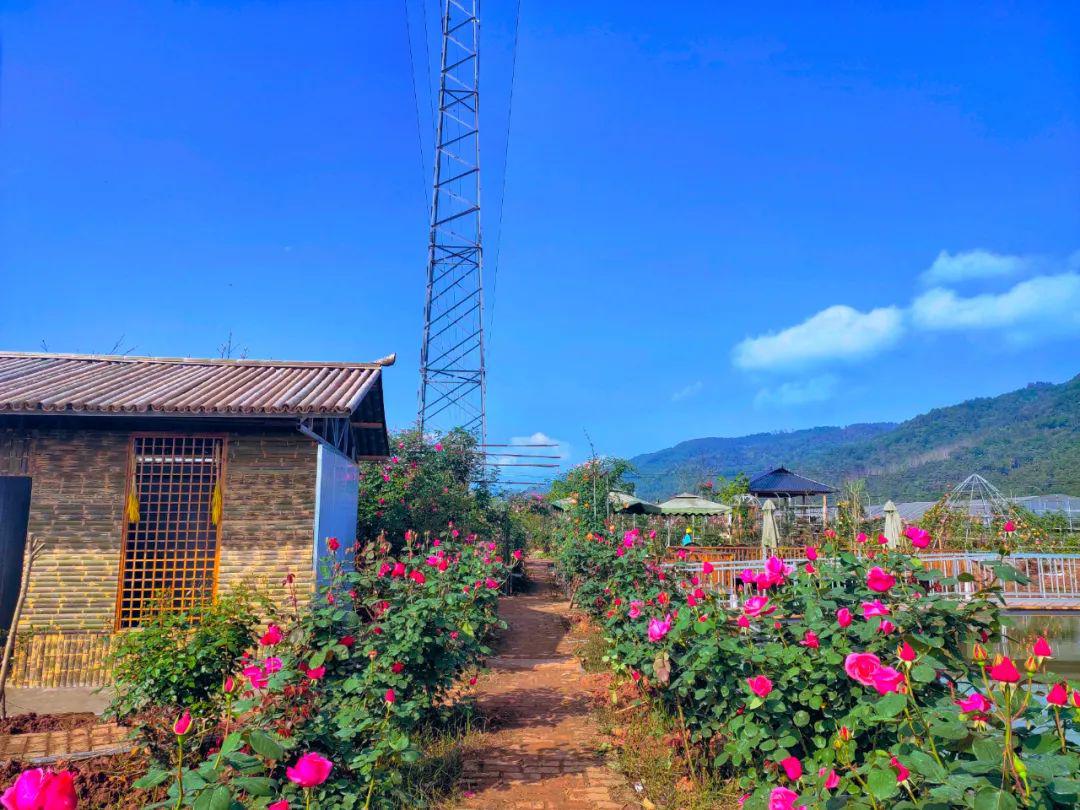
(423, 487)
(179, 659)
(1026, 441)
(699, 669)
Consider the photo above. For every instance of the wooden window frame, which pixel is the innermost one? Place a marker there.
(129, 618)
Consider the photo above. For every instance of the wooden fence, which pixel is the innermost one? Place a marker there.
(60, 659)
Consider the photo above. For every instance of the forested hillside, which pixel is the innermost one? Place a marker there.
(1024, 442)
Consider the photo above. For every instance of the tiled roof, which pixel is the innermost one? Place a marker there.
(783, 481)
(69, 383)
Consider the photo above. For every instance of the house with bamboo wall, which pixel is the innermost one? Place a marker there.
(157, 483)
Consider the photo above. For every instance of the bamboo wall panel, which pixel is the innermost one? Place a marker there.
(56, 660)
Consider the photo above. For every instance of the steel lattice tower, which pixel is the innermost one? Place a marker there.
(452, 376)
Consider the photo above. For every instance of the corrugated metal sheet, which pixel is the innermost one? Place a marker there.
(59, 383)
(783, 481)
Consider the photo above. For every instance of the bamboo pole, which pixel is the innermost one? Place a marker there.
(32, 551)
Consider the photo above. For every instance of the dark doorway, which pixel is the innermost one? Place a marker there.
(14, 516)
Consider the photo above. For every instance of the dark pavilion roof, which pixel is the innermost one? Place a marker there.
(783, 482)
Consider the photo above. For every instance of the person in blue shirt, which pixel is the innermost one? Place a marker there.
(688, 538)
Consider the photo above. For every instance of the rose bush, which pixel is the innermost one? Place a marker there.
(324, 711)
(854, 667)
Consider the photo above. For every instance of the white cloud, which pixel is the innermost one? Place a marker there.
(837, 333)
(816, 389)
(952, 267)
(1043, 306)
(688, 391)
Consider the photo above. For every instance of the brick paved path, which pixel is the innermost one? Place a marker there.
(45, 746)
(540, 751)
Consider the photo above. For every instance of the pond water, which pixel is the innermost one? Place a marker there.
(1061, 629)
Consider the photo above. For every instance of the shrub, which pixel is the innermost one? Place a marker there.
(771, 694)
(181, 658)
(359, 680)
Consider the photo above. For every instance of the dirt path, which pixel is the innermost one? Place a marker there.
(541, 748)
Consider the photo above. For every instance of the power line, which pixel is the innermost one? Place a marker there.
(506, 163)
(416, 105)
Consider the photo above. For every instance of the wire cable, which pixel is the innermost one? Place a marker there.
(416, 109)
(502, 189)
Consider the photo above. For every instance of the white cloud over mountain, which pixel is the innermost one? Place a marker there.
(839, 332)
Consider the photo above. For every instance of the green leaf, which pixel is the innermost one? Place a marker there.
(882, 783)
(990, 799)
(216, 798)
(926, 766)
(891, 705)
(801, 718)
(987, 750)
(922, 673)
(254, 785)
(265, 745)
(318, 659)
(153, 778)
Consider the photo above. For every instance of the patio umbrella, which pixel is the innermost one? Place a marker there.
(892, 524)
(770, 538)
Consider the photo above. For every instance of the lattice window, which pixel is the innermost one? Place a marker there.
(172, 516)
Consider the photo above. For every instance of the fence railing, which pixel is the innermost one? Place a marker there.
(1053, 577)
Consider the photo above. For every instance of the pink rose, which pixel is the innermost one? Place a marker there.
(1058, 695)
(920, 538)
(315, 673)
(811, 553)
(1041, 649)
(390, 696)
(862, 667)
(886, 626)
(902, 773)
(41, 789)
(272, 636)
(887, 679)
(310, 770)
(760, 685)
(743, 622)
(635, 609)
(810, 640)
(831, 781)
(906, 653)
(659, 628)
(1004, 672)
(877, 579)
(272, 665)
(707, 567)
(843, 617)
(792, 768)
(875, 608)
(182, 724)
(975, 702)
(282, 805)
(783, 799)
(861, 538)
(256, 676)
(757, 606)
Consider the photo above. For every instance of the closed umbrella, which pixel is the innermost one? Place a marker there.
(892, 524)
(770, 538)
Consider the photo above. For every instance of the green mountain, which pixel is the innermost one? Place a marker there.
(1025, 442)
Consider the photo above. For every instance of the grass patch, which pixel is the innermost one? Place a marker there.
(434, 779)
(647, 748)
(591, 652)
(648, 751)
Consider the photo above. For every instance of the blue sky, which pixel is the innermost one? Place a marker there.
(717, 220)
